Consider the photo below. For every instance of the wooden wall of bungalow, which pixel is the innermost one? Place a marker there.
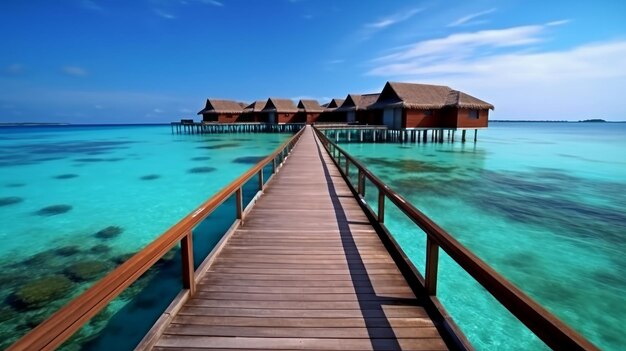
(331, 114)
(309, 111)
(282, 111)
(406, 105)
(446, 117)
(356, 109)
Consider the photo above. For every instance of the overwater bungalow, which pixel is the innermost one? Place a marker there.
(309, 110)
(281, 111)
(221, 111)
(254, 112)
(423, 106)
(331, 114)
(356, 106)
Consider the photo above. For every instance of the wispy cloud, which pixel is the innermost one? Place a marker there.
(393, 19)
(74, 71)
(91, 5)
(164, 14)
(460, 43)
(336, 62)
(471, 19)
(559, 22)
(212, 2)
(507, 68)
(14, 69)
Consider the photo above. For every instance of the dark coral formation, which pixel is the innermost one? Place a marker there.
(53, 210)
(109, 232)
(86, 270)
(201, 158)
(66, 176)
(67, 251)
(150, 177)
(10, 200)
(39, 292)
(202, 170)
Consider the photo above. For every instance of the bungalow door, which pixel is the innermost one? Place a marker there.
(388, 117)
(271, 118)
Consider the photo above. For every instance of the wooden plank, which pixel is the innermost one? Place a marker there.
(305, 322)
(314, 305)
(299, 297)
(387, 312)
(286, 332)
(301, 343)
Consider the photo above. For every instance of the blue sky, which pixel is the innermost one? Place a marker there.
(148, 61)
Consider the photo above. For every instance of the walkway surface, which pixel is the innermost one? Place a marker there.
(306, 271)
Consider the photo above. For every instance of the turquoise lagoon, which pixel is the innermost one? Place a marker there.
(75, 202)
(542, 203)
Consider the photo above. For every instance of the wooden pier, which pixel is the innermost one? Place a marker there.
(316, 277)
(217, 128)
(308, 265)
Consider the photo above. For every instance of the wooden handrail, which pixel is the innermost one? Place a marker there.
(550, 329)
(52, 332)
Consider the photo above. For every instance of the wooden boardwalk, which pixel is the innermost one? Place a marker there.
(305, 271)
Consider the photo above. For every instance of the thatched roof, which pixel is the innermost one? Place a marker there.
(462, 100)
(310, 106)
(334, 103)
(256, 106)
(243, 104)
(221, 106)
(425, 97)
(355, 102)
(280, 105)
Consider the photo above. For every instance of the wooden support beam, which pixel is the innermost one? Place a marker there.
(186, 248)
(432, 263)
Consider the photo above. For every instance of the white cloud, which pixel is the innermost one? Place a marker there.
(13, 69)
(158, 110)
(559, 22)
(336, 62)
(212, 2)
(469, 19)
(506, 68)
(90, 5)
(394, 19)
(74, 71)
(469, 41)
(164, 14)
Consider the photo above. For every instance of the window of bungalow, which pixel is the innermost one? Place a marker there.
(473, 114)
(428, 113)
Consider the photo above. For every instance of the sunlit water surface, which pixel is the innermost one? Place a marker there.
(542, 203)
(75, 202)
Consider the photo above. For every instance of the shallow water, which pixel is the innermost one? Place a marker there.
(543, 203)
(76, 201)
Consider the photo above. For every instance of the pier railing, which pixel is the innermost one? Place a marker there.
(551, 330)
(59, 327)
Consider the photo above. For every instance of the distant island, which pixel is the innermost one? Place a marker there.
(593, 120)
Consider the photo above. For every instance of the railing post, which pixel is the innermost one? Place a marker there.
(239, 200)
(432, 263)
(361, 187)
(348, 169)
(274, 166)
(261, 179)
(381, 206)
(186, 248)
